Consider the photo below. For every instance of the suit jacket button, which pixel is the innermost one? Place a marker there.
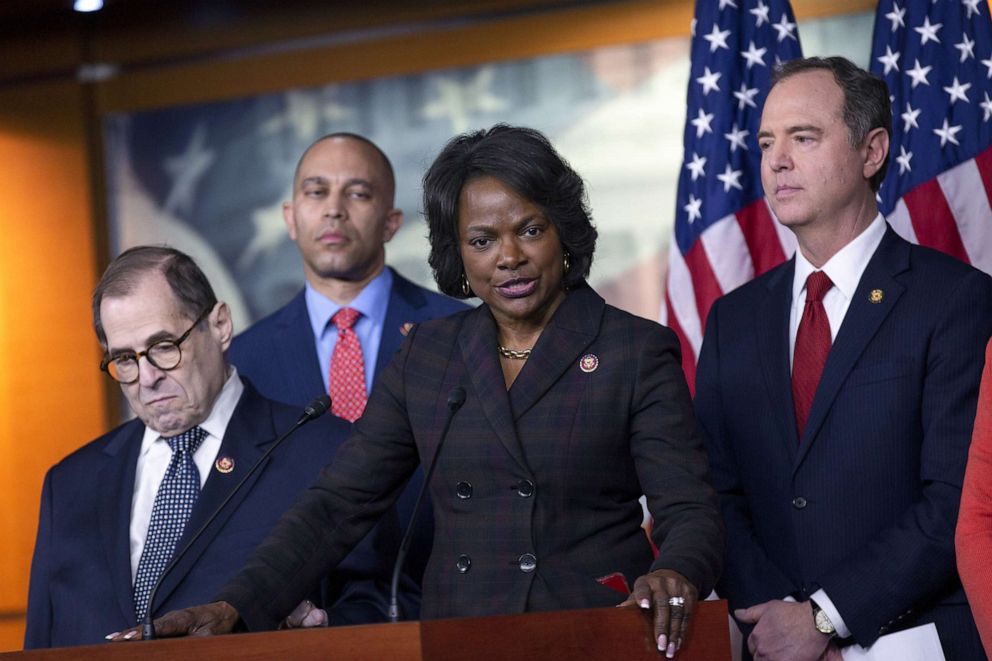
(463, 564)
(525, 488)
(463, 490)
(799, 502)
(527, 562)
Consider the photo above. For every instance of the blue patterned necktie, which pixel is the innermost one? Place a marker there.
(173, 503)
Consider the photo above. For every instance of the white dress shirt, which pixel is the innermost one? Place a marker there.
(155, 455)
(844, 269)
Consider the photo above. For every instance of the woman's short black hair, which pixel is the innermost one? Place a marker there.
(524, 160)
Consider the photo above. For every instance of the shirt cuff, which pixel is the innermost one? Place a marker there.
(827, 606)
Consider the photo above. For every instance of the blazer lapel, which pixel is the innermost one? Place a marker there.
(296, 353)
(572, 328)
(772, 333)
(117, 478)
(477, 342)
(404, 299)
(247, 436)
(860, 324)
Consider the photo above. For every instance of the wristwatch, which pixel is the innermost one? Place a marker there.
(821, 621)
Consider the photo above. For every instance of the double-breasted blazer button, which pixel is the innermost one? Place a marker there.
(525, 488)
(463, 564)
(527, 562)
(799, 502)
(463, 490)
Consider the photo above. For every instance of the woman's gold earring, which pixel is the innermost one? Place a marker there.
(466, 290)
(568, 265)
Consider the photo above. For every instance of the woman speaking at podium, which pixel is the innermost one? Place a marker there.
(572, 410)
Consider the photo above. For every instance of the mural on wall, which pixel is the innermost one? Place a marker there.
(210, 179)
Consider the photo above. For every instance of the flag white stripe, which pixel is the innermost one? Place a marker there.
(902, 223)
(726, 250)
(965, 193)
(681, 293)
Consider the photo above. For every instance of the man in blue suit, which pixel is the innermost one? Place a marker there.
(838, 393)
(341, 216)
(104, 530)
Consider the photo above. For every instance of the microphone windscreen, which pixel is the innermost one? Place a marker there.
(317, 407)
(456, 398)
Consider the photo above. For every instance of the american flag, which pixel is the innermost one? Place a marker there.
(725, 233)
(939, 183)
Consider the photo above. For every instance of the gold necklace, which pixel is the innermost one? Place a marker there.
(515, 354)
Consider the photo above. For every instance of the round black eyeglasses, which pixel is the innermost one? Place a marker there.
(164, 354)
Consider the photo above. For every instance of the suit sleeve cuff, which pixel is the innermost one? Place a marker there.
(827, 606)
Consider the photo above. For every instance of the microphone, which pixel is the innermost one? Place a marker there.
(316, 408)
(456, 398)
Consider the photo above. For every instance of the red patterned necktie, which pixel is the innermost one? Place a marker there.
(812, 346)
(347, 368)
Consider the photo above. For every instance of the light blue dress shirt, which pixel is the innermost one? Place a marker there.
(372, 302)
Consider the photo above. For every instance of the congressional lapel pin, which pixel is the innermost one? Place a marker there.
(876, 296)
(588, 363)
(224, 465)
(406, 328)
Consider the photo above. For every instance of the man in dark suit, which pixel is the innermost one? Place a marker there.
(107, 526)
(341, 216)
(838, 392)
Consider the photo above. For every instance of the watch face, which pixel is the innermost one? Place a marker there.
(823, 623)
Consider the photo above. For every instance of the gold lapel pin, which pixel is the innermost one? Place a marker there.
(406, 328)
(224, 465)
(876, 296)
(588, 363)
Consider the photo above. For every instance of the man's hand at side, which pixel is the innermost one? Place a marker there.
(783, 630)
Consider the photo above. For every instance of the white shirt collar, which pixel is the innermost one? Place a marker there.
(846, 267)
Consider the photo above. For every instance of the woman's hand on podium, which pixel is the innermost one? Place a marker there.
(673, 599)
(208, 620)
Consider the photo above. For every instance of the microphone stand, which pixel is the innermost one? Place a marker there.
(455, 400)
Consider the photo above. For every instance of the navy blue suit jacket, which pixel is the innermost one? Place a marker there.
(278, 354)
(864, 504)
(81, 585)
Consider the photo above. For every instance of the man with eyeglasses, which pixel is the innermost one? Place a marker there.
(114, 512)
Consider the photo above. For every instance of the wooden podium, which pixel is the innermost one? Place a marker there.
(602, 633)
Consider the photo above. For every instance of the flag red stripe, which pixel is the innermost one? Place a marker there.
(706, 288)
(933, 221)
(984, 163)
(760, 236)
(688, 356)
